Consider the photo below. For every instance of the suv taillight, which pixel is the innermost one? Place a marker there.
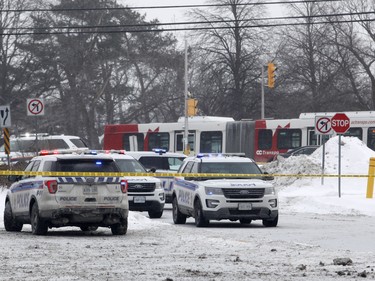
(51, 185)
(124, 186)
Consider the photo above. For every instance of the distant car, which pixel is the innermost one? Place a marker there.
(303, 150)
(160, 161)
(27, 146)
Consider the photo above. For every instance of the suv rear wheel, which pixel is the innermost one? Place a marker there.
(38, 225)
(120, 228)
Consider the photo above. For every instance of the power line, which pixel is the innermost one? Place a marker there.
(189, 23)
(180, 29)
(164, 7)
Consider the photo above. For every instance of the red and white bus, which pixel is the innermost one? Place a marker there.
(258, 139)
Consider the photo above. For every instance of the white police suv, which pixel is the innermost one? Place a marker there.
(160, 161)
(223, 197)
(47, 201)
(145, 193)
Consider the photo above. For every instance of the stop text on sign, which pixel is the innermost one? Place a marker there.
(340, 123)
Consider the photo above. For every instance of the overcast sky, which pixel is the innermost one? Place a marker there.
(177, 15)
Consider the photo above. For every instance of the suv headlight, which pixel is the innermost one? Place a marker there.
(158, 185)
(213, 190)
(269, 191)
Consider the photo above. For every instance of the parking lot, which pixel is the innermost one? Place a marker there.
(302, 246)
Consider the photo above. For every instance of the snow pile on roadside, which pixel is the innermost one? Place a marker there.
(325, 196)
(355, 157)
(294, 165)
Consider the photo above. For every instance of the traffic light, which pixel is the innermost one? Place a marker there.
(192, 107)
(271, 75)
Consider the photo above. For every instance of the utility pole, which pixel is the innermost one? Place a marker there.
(262, 102)
(186, 131)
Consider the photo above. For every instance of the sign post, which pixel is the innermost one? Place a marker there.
(35, 107)
(340, 123)
(323, 127)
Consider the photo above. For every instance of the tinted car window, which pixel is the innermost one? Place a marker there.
(85, 165)
(230, 168)
(78, 142)
(57, 144)
(159, 163)
(129, 165)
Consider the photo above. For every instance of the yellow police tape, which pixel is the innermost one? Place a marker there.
(193, 175)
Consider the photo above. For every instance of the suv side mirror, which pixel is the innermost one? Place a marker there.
(152, 170)
(14, 178)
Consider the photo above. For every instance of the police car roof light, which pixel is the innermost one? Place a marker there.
(160, 151)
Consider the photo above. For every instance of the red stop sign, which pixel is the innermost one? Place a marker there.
(340, 123)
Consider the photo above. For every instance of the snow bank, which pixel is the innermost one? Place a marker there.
(321, 196)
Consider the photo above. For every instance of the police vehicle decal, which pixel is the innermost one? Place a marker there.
(186, 184)
(84, 180)
(28, 186)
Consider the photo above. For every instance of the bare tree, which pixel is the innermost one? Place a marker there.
(228, 59)
(355, 42)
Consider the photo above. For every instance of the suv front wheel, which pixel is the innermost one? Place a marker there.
(10, 223)
(178, 217)
(200, 220)
(271, 222)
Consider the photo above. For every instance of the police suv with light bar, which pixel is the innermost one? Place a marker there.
(88, 202)
(145, 193)
(217, 197)
(160, 161)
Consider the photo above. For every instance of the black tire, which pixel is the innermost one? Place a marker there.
(272, 222)
(38, 225)
(155, 214)
(178, 217)
(88, 228)
(245, 221)
(10, 223)
(200, 220)
(120, 228)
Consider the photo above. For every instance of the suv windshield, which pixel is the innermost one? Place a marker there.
(230, 168)
(84, 165)
(129, 165)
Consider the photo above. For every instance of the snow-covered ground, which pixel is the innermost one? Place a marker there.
(316, 228)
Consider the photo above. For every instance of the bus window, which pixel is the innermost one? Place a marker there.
(315, 139)
(180, 144)
(371, 138)
(288, 138)
(158, 140)
(211, 142)
(354, 132)
(264, 139)
(130, 144)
